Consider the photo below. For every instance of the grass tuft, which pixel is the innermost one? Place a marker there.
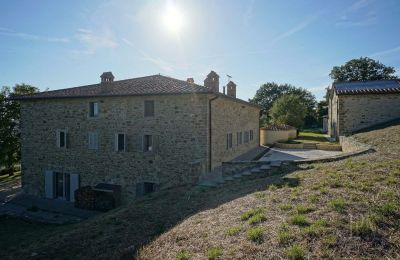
(338, 205)
(251, 213)
(182, 255)
(214, 253)
(285, 207)
(295, 252)
(363, 226)
(299, 220)
(257, 218)
(232, 231)
(304, 209)
(284, 235)
(255, 234)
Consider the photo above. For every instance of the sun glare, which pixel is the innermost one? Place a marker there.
(173, 19)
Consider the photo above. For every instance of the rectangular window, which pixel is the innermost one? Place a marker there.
(240, 138)
(251, 135)
(93, 141)
(148, 143)
(246, 136)
(93, 109)
(237, 139)
(144, 188)
(120, 142)
(61, 139)
(148, 108)
(228, 141)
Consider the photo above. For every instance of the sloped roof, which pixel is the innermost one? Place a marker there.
(278, 127)
(367, 87)
(150, 85)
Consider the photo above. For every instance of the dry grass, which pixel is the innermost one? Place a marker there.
(355, 217)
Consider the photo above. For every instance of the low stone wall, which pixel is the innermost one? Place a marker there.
(349, 144)
(326, 147)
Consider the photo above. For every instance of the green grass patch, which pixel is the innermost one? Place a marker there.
(255, 234)
(284, 235)
(214, 253)
(285, 206)
(260, 194)
(338, 205)
(316, 228)
(298, 220)
(295, 252)
(6, 177)
(182, 255)
(233, 231)
(304, 209)
(364, 226)
(245, 216)
(272, 187)
(257, 218)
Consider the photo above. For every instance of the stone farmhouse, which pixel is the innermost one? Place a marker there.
(143, 134)
(357, 105)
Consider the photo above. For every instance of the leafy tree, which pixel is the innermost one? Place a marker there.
(271, 91)
(290, 110)
(322, 110)
(9, 125)
(363, 68)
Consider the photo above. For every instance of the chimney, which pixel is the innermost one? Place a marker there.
(231, 89)
(107, 77)
(190, 80)
(212, 82)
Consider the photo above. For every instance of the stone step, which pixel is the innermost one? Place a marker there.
(309, 146)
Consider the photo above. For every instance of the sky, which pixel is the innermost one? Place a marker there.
(60, 44)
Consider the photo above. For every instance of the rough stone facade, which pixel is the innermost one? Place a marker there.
(180, 127)
(228, 116)
(349, 113)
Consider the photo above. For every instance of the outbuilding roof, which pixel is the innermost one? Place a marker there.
(150, 85)
(367, 87)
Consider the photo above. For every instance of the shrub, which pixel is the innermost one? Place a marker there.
(214, 253)
(232, 231)
(259, 217)
(295, 252)
(338, 205)
(285, 207)
(255, 234)
(299, 220)
(303, 209)
(182, 255)
(250, 213)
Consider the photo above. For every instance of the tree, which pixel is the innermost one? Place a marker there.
(363, 68)
(271, 91)
(9, 125)
(290, 110)
(322, 110)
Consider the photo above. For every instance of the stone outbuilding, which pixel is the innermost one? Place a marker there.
(271, 134)
(142, 134)
(361, 104)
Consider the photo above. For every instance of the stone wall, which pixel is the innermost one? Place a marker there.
(350, 145)
(180, 128)
(232, 116)
(269, 137)
(361, 111)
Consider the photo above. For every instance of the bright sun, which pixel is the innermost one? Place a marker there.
(173, 19)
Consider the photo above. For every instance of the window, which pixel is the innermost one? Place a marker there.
(228, 141)
(144, 188)
(61, 139)
(246, 136)
(93, 109)
(93, 141)
(148, 143)
(237, 139)
(148, 108)
(120, 142)
(240, 137)
(251, 135)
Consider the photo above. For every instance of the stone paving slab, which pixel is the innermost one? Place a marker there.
(277, 154)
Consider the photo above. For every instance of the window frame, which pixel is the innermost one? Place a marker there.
(116, 142)
(145, 143)
(95, 133)
(58, 138)
(96, 110)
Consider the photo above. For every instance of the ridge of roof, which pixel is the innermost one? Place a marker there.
(367, 87)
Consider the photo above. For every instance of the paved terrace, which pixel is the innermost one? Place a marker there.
(277, 154)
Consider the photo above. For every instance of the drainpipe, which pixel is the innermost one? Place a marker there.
(209, 132)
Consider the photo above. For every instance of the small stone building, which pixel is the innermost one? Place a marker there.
(271, 134)
(357, 105)
(143, 134)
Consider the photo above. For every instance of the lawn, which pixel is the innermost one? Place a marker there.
(310, 136)
(15, 177)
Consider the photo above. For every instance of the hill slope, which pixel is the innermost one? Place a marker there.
(348, 208)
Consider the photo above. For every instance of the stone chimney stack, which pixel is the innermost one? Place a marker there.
(190, 80)
(107, 77)
(212, 82)
(231, 89)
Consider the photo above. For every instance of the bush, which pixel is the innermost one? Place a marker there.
(295, 252)
(299, 220)
(182, 255)
(255, 234)
(214, 253)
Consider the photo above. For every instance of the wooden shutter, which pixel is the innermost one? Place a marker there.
(95, 109)
(49, 184)
(73, 185)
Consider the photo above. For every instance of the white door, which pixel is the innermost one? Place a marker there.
(74, 185)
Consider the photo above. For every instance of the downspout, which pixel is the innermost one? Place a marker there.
(209, 133)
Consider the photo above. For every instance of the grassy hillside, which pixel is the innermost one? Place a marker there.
(348, 208)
